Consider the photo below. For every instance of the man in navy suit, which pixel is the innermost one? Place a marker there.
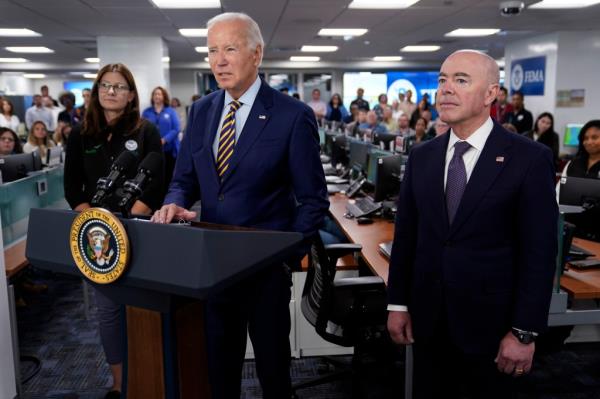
(475, 244)
(251, 156)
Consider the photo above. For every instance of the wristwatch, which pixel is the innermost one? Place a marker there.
(524, 337)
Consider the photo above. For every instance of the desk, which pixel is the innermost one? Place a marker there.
(583, 284)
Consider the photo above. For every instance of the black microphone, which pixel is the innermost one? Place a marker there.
(106, 185)
(149, 168)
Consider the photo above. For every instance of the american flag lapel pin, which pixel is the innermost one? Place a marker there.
(499, 159)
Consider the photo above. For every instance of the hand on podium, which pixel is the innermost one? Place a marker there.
(170, 211)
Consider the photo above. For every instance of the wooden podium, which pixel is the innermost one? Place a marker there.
(172, 268)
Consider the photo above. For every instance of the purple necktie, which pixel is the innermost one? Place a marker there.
(457, 179)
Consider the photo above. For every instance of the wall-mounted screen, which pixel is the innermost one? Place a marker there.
(76, 88)
(572, 134)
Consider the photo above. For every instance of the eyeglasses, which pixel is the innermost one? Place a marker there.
(117, 88)
(9, 139)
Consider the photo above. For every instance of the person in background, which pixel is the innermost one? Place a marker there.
(9, 142)
(335, 109)
(7, 117)
(70, 115)
(396, 105)
(388, 120)
(372, 125)
(543, 132)
(38, 112)
(510, 127)
(439, 127)
(61, 133)
(85, 94)
(45, 93)
(585, 164)
(353, 115)
(353, 127)
(296, 96)
(112, 125)
(408, 106)
(382, 104)
(166, 120)
(181, 113)
(359, 100)
(38, 140)
(318, 106)
(418, 113)
(404, 128)
(54, 110)
(285, 90)
(501, 107)
(519, 117)
(420, 134)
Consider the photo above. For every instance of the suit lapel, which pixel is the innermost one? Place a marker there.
(215, 113)
(494, 156)
(257, 120)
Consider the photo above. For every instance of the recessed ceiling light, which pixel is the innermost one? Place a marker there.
(384, 58)
(419, 49)
(296, 58)
(501, 63)
(90, 75)
(13, 60)
(381, 4)
(342, 32)
(34, 75)
(187, 3)
(318, 49)
(30, 49)
(92, 60)
(166, 59)
(9, 32)
(545, 4)
(193, 32)
(462, 32)
(201, 49)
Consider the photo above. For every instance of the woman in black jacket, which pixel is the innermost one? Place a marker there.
(112, 125)
(543, 132)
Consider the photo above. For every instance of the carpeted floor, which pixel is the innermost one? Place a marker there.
(53, 328)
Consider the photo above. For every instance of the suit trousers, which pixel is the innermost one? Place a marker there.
(259, 305)
(442, 370)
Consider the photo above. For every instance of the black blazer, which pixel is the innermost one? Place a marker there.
(549, 139)
(493, 268)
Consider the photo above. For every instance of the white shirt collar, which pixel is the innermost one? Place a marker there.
(477, 139)
(249, 95)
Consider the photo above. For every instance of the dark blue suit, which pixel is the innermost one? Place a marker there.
(492, 268)
(274, 181)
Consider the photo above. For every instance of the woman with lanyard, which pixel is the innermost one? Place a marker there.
(112, 124)
(166, 120)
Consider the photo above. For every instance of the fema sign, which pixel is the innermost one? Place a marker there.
(527, 75)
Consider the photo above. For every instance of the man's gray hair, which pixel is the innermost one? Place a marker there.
(253, 34)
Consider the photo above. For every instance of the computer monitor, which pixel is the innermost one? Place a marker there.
(329, 138)
(359, 155)
(386, 139)
(339, 154)
(374, 155)
(54, 156)
(579, 191)
(387, 182)
(571, 138)
(17, 166)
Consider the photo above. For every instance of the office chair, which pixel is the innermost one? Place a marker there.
(346, 312)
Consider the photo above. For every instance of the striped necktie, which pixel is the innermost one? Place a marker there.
(227, 139)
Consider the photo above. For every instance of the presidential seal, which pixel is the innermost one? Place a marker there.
(99, 245)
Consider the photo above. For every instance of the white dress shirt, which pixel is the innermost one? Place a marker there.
(477, 141)
(241, 115)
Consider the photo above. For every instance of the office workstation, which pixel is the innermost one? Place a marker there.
(321, 301)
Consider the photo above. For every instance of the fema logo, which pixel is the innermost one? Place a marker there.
(99, 245)
(516, 77)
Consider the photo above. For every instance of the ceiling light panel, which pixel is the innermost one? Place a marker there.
(381, 4)
(319, 49)
(187, 3)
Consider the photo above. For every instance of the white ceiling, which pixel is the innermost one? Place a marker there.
(70, 27)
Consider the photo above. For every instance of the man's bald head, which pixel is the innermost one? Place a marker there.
(492, 72)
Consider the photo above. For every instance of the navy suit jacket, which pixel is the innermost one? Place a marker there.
(275, 179)
(493, 267)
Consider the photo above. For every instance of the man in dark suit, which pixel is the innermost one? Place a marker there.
(475, 244)
(251, 156)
